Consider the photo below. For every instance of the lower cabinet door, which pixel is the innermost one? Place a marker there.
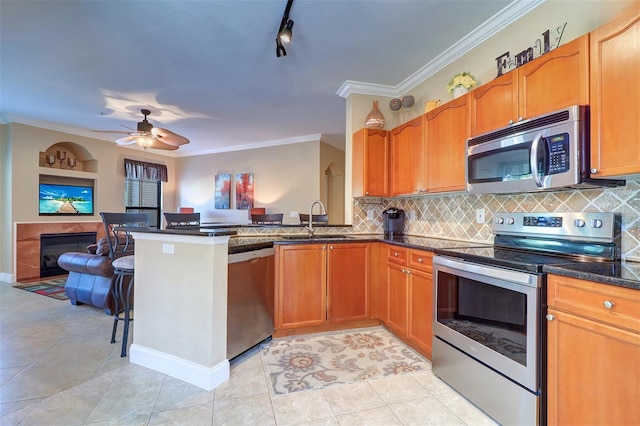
(397, 299)
(301, 290)
(348, 282)
(420, 305)
(593, 373)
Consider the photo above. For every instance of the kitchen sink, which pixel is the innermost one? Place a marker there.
(315, 237)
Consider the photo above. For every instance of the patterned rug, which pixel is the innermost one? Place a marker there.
(53, 287)
(314, 361)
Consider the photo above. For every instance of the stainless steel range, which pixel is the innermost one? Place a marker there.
(489, 304)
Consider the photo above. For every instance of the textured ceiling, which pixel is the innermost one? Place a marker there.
(207, 69)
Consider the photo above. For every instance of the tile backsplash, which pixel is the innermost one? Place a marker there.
(453, 216)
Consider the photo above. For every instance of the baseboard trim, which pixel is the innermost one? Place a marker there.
(5, 277)
(188, 371)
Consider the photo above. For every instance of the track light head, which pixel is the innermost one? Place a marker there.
(286, 34)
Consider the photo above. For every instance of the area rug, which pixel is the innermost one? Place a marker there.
(314, 361)
(53, 288)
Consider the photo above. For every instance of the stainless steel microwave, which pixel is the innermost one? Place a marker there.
(544, 153)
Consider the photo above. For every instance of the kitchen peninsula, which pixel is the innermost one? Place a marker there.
(180, 327)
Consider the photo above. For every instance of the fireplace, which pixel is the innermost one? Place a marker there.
(53, 245)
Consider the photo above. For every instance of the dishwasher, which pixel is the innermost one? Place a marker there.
(250, 304)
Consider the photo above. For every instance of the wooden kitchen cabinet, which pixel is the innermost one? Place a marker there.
(370, 163)
(446, 140)
(409, 295)
(615, 96)
(318, 284)
(348, 282)
(301, 285)
(407, 158)
(555, 80)
(593, 353)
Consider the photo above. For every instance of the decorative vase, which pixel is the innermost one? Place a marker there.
(459, 91)
(375, 119)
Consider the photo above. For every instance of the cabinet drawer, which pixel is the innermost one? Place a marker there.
(601, 302)
(396, 255)
(421, 260)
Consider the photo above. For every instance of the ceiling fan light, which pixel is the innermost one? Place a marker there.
(144, 141)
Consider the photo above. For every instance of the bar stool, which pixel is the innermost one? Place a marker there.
(122, 267)
(118, 228)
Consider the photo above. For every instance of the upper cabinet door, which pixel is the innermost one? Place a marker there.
(555, 80)
(493, 105)
(370, 171)
(407, 154)
(446, 140)
(615, 96)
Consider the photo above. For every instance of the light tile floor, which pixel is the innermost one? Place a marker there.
(57, 367)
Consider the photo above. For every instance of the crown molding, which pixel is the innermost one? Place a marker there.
(511, 13)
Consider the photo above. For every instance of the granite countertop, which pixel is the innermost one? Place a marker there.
(620, 273)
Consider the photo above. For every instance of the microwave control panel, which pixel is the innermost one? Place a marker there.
(558, 153)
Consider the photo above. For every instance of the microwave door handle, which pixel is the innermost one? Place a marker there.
(533, 160)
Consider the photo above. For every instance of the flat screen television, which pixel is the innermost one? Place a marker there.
(65, 200)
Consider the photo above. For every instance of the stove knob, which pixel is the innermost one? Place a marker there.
(578, 223)
(510, 221)
(499, 220)
(597, 223)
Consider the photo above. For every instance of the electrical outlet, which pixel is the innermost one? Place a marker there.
(479, 215)
(412, 214)
(293, 213)
(370, 214)
(167, 248)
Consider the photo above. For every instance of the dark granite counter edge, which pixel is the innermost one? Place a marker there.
(597, 272)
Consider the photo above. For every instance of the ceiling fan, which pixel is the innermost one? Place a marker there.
(148, 136)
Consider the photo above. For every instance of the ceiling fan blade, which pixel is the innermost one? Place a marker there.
(127, 140)
(158, 144)
(169, 137)
(119, 132)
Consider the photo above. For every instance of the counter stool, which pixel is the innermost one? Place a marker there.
(122, 267)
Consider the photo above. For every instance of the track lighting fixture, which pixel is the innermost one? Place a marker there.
(285, 32)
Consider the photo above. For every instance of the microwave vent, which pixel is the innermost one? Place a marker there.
(516, 128)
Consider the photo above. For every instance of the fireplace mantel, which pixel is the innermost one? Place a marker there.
(27, 248)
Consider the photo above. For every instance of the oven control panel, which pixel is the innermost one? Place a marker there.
(588, 226)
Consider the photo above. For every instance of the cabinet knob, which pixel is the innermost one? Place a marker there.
(550, 317)
(420, 260)
(594, 171)
(330, 247)
(510, 121)
(608, 304)
(396, 254)
(366, 193)
(520, 118)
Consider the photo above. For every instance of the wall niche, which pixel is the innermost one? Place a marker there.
(68, 156)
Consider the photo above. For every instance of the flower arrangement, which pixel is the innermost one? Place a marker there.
(464, 79)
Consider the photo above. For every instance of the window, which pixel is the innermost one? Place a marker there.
(144, 196)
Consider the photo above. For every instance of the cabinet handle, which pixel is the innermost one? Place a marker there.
(550, 317)
(608, 304)
(594, 171)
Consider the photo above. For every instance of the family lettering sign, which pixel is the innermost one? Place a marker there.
(506, 62)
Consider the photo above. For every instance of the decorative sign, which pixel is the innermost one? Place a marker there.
(506, 62)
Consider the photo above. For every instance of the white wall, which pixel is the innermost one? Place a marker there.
(286, 178)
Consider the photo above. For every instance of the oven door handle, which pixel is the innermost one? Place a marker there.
(521, 278)
(533, 160)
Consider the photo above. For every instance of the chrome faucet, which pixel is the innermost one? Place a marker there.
(310, 227)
